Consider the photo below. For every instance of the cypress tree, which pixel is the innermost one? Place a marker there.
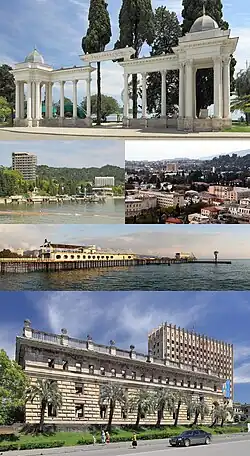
(192, 9)
(167, 33)
(97, 37)
(136, 23)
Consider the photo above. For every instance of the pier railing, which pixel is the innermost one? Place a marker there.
(111, 350)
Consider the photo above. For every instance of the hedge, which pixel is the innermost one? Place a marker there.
(31, 445)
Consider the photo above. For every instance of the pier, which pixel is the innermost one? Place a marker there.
(24, 265)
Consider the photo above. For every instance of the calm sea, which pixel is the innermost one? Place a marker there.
(152, 278)
(112, 211)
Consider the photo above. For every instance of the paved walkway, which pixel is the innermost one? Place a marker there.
(109, 131)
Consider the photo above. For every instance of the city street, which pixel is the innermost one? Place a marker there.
(223, 445)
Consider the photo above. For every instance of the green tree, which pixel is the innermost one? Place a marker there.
(136, 22)
(97, 37)
(110, 395)
(197, 408)
(242, 88)
(5, 109)
(221, 413)
(47, 393)
(167, 33)
(192, 9)
(7, 86)
(13, 384)
(164, 399)
(142, 404)
(109, 105)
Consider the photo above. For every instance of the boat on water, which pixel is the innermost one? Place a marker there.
(66, 252)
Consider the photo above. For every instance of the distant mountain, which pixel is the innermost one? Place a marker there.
(240, 153)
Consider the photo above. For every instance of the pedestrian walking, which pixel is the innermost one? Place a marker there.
(103, 437)
(134, 441)
(107, 437)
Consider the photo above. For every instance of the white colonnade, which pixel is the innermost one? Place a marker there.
(34, 100)
(187, 89)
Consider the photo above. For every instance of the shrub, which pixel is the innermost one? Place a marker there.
(35, 445)
(8, 446)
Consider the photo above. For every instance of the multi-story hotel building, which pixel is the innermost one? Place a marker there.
(165, 199)
(180, 345)
(81, 367)
(227, 193)
(25, 163)
(108, 181)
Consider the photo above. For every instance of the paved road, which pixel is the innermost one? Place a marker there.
(106, 132)
(221, 445)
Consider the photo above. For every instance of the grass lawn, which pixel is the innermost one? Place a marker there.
(238, 128)
(117, 435)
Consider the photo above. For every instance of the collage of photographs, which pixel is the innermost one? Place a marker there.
(124, 227)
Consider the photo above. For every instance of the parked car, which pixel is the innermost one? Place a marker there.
(187, 438)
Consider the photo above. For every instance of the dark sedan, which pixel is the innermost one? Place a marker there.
(187, 438)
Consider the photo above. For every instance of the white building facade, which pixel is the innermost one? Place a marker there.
(25, 163)
(105, 181)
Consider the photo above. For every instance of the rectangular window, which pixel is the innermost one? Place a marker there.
(91, 369)
(79, 411)
(51, 411)
(133, 375)
(78, 367)
(102, 370)
(79, 388)
(65, 365)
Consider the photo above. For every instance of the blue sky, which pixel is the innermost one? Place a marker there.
(56, 28)
(127, 317)
(162, 150)
(232, 241)
(78, 154)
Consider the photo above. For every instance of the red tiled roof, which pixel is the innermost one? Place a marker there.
(172, 220)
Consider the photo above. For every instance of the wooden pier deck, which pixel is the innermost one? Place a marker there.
(24, 265)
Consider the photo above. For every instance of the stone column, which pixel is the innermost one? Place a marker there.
(144, 95)
(33, 100)
(163, 94)
(47, 101)
(50, 87)
(17, 100)
(189, 97)
(29, 90)
(181, 90)
(194, 93)
(22, 100)
(226, 87)
(217, 87)
(38, 100)
(125, 97)
(62, 99)
(88, 96)
(75, 99)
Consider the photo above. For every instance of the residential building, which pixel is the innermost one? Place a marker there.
(172, 168)
(82, 367)
(166, 199)
(198, 219)
(136, 206)
(108, 181)
(25, 163)
(229, 193)
(181, 345)
(211, 211)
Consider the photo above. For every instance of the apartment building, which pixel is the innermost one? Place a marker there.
(180, 345)
(166, 199)
(136, 206)
(82, 367)
(25, 163)
(108, 181)
(229, 193)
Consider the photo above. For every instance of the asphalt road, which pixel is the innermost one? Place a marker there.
(221, 445)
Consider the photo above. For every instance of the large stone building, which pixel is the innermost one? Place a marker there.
(180, 345)
(81, 367)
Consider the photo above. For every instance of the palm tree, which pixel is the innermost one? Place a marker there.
(197, 408)
(163, 399)
(47, 392)
(142, 404)
(110, 394)
(180, 398)
(221, 413)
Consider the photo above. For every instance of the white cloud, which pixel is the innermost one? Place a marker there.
(242, 373)
(127, 316)
(7, 339)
